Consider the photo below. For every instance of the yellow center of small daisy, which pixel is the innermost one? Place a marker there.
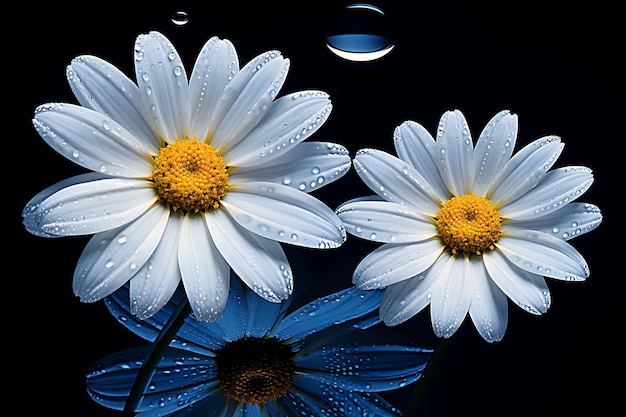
(255, 370)
(469, 224)
(190, 175)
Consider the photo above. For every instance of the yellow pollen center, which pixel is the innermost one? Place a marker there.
(255, 370)
(469, 224)
(190, 175)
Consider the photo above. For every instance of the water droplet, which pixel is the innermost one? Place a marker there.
(180, 18)
(360, 32)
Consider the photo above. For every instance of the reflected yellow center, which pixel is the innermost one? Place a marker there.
(190, 175)
(255, 370)
(469, 224)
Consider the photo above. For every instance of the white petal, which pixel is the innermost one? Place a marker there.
(260, 263)
(391, 263)
(157, 280)
(558, 188)
(102, 87)
(573, 220)
(525, 169)
(452, 295)
(383, 221)
(205, 273)
(215, 66)
(289, 121)
(405, 299)
(493, 150)
(307, 167)
(455, 153)
(92, 140)
(162, 81)
(93, 207)
(529, 291)
(284, 214)
(488, 309)
(543, 254)
(395, 180)
(247, 98)
(111, 258)
(416, 146)
(30, 213)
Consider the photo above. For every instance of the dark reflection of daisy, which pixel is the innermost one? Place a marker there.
(464, 227)
(191, 176)
(326, 358)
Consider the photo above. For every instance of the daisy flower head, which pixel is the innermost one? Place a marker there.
(190, 176)
(466, 227)
(326, 358)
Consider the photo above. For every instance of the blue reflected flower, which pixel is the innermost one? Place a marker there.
(326, 358)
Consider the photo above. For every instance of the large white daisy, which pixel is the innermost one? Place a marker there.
(464, 227)
(191, 176)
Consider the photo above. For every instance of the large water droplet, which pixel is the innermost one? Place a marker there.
(360, 32)
(180, 18)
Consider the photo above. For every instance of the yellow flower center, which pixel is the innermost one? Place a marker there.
(255, 370)
(190, 175)
(469, 224)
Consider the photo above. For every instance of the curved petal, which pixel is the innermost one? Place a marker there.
(111, 258)
(110, 380)
(489, 309)
(416, 146)
(162, 80)
(391, 263)
(383, 221)
(157, 280)
(529, 291)
(395, 180)
(215, 66)
(385, 361)
(284, 214)
(307, 167)
(557, 188)
(31, 208)
(451, 295)
(405, 299)
(525, 169)
(205, 273)
(92, 140)
(246, 99)
(543, 254)
(493, 150)
(102, 87)
(573, 220)
(261, 263)
(327, 311)
(289, 121)
(94, 206)
(455, 153)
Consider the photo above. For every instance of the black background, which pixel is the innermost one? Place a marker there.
(558, 68)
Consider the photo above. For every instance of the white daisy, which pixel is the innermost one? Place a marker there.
(191, 176)
(464, 227)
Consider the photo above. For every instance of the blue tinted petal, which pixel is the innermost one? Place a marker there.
(333, 309)
(179, 379)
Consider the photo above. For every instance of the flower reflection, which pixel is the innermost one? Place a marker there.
(465, 227)
(326, 358)
(191, 177)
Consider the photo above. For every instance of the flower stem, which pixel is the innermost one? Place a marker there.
(422, 383)
(163, 339)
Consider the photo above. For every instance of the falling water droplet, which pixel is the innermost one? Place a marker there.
(360, 32)
(180, 18)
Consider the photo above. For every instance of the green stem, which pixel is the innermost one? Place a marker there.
(163, 339)
(422, 383)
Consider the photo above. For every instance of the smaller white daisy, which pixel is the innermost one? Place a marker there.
(191, 177)
(464, 227)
